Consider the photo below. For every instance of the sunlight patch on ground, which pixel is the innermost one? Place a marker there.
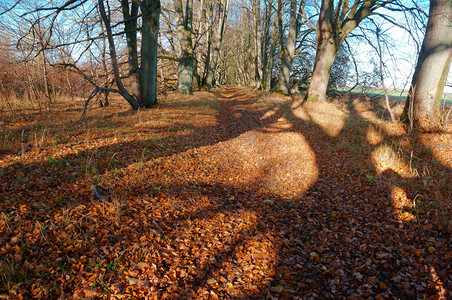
(439, 145)
(269, 113)
(280, 125)
(385, 158)
(439, 285)
(327, 115)
(373, 136)
(282, 162)
(389, 128)
(399, 202)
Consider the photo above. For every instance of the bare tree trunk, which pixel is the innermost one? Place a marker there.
(257, 44)
(104, 67)
(432, 68)
(197, 50)
(150, 28)
(329, 39)
(184, 20)
(69, 84)
(288, 52)
(32, 87)
(265, 40)
(130, 23)
(132, 101)
(380, 55)
(218, 37)
(45, 75)
(274, 42)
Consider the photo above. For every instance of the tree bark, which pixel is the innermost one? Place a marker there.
(218, 37)
(432, 68)
(130, 25)
(257, 44)
(288, 52)
(129, 98)
(184, 21)
(333, 26)
(325, 55)
(274, 42)
(150, 10)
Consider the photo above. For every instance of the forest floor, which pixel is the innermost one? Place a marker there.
(235, 194)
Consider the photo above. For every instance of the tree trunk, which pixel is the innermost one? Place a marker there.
(130, 25)
(332, 29)
(45, 75)
(380, 56)
(288, 52)
(105, 70)
(184, 20)
(265, 40)
(150, 10)
(257, 44)
(197, 50)
(431, 70)
(218, 37)
(274, 42)
(324, 60)
(129, 98)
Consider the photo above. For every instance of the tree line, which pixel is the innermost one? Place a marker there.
(137, 48)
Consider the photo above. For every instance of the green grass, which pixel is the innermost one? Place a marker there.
(394, 95)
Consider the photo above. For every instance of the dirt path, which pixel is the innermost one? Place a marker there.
(306, 213)
(247, 196)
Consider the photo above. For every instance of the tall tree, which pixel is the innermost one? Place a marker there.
(258, 73)
(422, 107)
(273, 44)
(288, 50)
(142, 74)
(150, 10)
(336, 20)
(122, 90)
(130, 13)
(184, 23)
(223, 8)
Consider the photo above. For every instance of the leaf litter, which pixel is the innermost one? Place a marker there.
(224, 195)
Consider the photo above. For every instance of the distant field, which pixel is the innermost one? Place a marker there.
(395, 95)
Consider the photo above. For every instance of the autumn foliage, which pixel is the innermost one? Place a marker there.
(223, 195)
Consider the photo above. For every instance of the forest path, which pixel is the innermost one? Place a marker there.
(235, 194)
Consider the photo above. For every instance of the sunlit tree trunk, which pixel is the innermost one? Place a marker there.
(333, 26)
(266, 39)
(422, 107)
(150, 10)
(288, 52)
(380, 58)
(184, 20)
(197, 49)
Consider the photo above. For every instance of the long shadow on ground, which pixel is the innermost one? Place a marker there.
(190, 224)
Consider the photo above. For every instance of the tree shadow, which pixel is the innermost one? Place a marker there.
(190, 229)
